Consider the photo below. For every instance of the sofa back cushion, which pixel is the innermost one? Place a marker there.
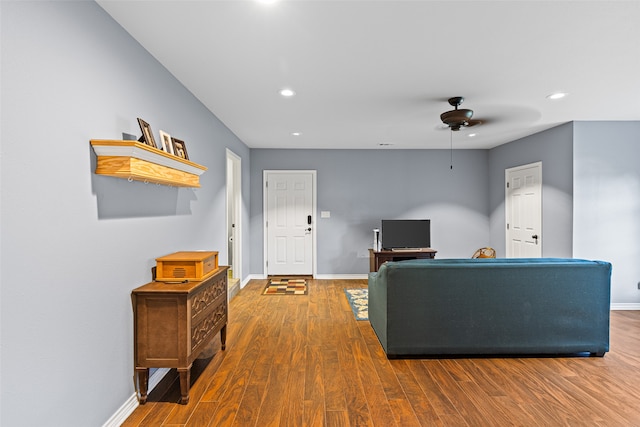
(488, 305)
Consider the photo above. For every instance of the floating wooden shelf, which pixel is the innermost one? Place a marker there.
(141, 162)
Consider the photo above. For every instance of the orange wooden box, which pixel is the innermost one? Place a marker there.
(194, 265)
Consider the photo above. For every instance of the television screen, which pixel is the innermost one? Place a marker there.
(406, 233)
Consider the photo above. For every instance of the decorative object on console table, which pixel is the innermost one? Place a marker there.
(186, 265)
(377, 245)
(134, 160)
(377, 258)
(174, 323)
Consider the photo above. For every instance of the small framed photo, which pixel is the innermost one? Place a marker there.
(179, 149)
(147, 135)
(165, 139)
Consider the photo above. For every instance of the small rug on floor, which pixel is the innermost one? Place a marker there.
(359, 302)
(285, 286)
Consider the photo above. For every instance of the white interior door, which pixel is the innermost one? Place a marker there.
(524, 211)
(289, 222)
(234, 229)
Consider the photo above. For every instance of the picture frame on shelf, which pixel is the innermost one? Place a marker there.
(147, 135)
(179, 148)
(167, 144)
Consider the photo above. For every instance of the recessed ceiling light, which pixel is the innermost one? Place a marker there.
(471, 135)
(557, 95)
(296, 133)
(267, 1)
(287, 93)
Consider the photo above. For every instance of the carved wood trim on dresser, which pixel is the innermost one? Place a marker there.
(174, 323)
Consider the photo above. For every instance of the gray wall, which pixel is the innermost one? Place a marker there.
(75, 244)
(607, 201)
(361, 187)
(553, 148)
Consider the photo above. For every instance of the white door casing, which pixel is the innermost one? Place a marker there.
(289, 222)
(523, 205)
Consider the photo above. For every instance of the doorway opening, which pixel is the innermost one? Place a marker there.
(234, 222)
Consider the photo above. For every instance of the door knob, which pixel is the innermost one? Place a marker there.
(535, 237)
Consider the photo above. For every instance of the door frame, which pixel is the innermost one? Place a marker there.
(234, 195)
(507, 204)
(314, 222)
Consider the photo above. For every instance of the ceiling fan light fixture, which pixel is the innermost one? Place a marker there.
(456, 118)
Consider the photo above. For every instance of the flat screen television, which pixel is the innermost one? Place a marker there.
(406, 233)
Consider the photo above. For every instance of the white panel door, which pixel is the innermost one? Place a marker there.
(289, 222)
(524, 211)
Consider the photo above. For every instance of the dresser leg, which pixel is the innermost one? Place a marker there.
(185, 381)
(143, 383)
(223, 337)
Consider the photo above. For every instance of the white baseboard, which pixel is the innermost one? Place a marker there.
(123, 412)
(317, 276)
(625, 306)
(249, 278)
(234, 288)
(132, 403)
(341, 276)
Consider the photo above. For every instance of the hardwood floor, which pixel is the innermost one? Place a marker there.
(306, 361)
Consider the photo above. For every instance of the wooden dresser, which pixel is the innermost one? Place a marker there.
(174, 322)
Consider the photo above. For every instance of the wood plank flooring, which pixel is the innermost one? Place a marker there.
(305, 361)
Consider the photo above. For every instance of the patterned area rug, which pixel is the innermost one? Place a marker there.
(285, 286)
(359, 301)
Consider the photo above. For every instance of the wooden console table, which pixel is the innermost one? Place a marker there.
(377, 258)
(174, 323)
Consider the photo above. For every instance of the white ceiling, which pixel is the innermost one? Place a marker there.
(379, 72)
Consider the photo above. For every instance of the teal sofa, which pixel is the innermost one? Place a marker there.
(475, 307)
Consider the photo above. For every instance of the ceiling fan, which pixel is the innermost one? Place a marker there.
(459, 117)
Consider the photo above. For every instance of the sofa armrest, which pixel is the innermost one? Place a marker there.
(378, 304)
